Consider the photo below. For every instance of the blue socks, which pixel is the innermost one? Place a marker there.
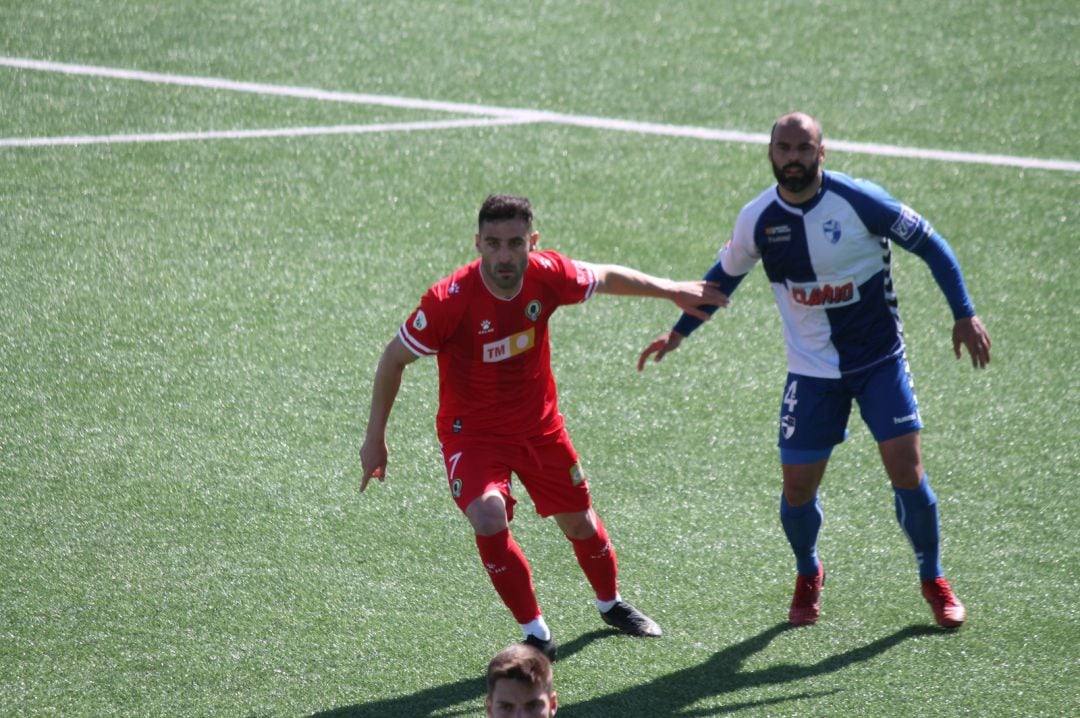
(802, 524)
(916, 510)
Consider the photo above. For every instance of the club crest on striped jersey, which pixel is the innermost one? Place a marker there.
(787, 425)
(832, 230)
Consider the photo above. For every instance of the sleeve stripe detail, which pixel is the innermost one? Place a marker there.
(412, 344)
(586, 273)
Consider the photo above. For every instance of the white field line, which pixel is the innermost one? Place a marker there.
(258, 134)
(510, 115)
(214, 83)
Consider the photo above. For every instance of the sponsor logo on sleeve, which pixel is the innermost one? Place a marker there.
(577, 476)
(510, 346)
(907, 224)
(420, 322)
(725, 248)
(584, 274)
(586, 277)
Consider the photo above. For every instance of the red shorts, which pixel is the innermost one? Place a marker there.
(547, 467)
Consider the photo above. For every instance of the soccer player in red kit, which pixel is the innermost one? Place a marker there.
(498, 409)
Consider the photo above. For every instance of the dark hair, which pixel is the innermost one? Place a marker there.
(499, 207)
(520, 662)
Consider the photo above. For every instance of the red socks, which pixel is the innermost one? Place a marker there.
(510, 574)
(596, 556)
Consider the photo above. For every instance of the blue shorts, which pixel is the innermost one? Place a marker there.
(814, 412)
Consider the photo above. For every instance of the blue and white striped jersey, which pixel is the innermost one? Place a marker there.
(828, 262)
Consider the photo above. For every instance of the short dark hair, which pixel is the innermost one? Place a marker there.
(520, 662)
(499, 207)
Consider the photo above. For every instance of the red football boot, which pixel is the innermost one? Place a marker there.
(806, 603)
(948, 611)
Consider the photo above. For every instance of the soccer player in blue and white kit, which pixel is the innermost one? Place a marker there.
(824, 240)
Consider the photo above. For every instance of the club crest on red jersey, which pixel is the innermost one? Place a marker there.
(532, 310)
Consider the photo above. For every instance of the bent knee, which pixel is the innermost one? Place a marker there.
(487, 514)
(577, 525)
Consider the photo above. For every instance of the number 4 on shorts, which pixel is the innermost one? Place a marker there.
(789, 396)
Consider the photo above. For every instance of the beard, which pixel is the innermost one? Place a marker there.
(796, 182)
(506, 276)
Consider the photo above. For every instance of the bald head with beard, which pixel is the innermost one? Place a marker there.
(796, 152)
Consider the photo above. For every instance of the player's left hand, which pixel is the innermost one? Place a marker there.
(971, 333)
(688, 296)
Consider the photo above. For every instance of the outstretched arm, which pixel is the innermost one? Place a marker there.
(687, 296)
(669, 341)
(373, 452)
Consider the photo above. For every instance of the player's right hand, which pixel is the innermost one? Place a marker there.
(373, 455)
(667, 342)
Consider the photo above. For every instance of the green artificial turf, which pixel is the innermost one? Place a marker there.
(189, 330)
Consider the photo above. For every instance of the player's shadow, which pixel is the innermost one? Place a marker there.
(674, 693)
(667, 695)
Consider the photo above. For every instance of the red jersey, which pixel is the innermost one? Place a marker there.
(494, 357)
